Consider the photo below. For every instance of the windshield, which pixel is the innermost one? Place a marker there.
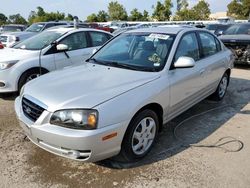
(238, 29)
(12, 28)
(39, 41)
(37, 27)
(136, 51)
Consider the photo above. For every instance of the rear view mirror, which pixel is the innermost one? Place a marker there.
(184, 62)
(62, 47)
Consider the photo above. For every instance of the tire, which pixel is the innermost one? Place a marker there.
(221, 90)
(28, 76)
(139, 138)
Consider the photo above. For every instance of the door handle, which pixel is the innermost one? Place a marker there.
(202, 71)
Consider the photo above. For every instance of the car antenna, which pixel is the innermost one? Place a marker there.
(76, 22)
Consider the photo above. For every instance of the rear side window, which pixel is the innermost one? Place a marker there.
(218, 45)
(208, 44)
(188, 47)
(98, 38)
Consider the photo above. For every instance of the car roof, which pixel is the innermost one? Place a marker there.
(63, 29)
(166, 30)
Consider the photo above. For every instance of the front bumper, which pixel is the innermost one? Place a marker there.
(82, 145)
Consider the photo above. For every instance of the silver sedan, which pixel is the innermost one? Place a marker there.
(116, 103)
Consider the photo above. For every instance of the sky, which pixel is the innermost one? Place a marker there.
(83, 8)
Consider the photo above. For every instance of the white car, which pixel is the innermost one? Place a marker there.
(117, 103)
(50, 50)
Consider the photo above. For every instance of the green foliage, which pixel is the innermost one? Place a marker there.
(41, 16)
(3, 19)
(92, 18)
(135, 15)
(102, 16)
(117, 11)
(17, 19)
(145, 16)
(200, 11)
(239, 9)
(182, 4)
(162, 11)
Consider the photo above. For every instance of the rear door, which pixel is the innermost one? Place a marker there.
(213, 59)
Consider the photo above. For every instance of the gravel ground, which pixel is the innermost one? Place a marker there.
(171, 163)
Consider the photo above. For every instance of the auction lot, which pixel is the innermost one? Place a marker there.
(171, 163)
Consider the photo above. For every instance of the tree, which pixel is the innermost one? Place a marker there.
(102, 16)
(92, 18)
(17, 19)
(135, 15)
(70, 17)
(162, 12)
(41, 16)
(239, 9)
(117, 11)
(3, 19)
(202, 10)
(181, 4)
(145, 16)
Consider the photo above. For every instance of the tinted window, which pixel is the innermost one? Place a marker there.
(218, 45)
(75, 41)
(49, 25)
(208, 44)
(37, 27)
(98, 38)
(238, 29)
(188, 47)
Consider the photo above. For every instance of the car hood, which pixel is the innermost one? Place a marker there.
(10, 54)
(85, 86)
(234, 38)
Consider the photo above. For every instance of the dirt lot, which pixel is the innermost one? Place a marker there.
(171, 163)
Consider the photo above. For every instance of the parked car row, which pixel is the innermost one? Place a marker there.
(50, 50)
(115, 103)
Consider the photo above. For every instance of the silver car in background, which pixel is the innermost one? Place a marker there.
(117, 102)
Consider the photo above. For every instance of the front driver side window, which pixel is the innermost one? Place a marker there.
(75, 41)
(188, 47)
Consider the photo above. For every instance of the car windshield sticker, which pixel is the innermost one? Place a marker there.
(155, 59)
(159, 36)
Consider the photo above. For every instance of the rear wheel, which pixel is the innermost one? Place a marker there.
(221, 89)
(28, 76)
(140, 136)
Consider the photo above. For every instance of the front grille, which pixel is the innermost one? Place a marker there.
(31, 110)
(3, 38)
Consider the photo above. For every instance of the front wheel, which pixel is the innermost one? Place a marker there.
(28, 76)
(140, 136)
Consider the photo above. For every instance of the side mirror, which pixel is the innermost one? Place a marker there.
(184, 62)
(95, 50)
(219, 33)
(62, 47)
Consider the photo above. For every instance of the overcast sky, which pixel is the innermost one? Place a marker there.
(82, 8)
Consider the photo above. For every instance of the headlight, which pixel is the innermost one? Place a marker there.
(7, 64)
(75, 119)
